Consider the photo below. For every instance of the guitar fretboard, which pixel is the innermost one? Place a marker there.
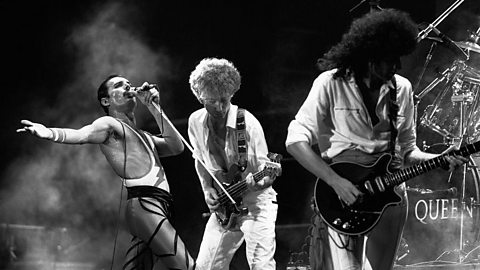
(240, 187)
(403, 175)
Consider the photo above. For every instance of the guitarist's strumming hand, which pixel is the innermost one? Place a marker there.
(211, 198)
(346, 191)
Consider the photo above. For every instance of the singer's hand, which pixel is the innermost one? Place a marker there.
(149, 95)
(36, 129)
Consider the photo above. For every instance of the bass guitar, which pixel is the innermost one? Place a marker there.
(377, 185)
(229, 211)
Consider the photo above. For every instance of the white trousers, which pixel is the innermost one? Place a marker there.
(257, 228)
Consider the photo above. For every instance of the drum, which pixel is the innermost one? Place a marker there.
(473, 122)
(443, 215)
(456, 108)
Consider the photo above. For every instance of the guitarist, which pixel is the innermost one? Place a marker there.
(213, 134)
(347, 114)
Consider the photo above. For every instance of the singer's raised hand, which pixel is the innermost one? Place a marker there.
(148, 94)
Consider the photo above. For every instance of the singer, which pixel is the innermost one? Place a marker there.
(357, 110)
(134, 156)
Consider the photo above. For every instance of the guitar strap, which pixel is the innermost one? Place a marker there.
(393, 113)
(241, 140)
(393, 107)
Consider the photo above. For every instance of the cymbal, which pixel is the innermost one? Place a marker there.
(468, 45)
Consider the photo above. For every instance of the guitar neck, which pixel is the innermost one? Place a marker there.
(241, 186)
(403, 175)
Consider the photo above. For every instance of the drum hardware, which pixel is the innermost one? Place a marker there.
(467, 45)
(471, 44)
(432, 27)
(453, 114)
(454, 110)
(445, 75)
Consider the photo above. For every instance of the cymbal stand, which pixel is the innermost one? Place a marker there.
(418, 97)
(444, 75)
(460, 97)
(425, 65)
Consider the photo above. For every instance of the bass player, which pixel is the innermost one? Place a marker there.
(224, 137)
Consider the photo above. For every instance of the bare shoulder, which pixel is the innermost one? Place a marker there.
(107, 123)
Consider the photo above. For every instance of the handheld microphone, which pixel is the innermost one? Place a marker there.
(134, 90)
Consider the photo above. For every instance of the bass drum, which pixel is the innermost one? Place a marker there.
(443, 215)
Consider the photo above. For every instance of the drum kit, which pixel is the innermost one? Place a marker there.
(450, 214)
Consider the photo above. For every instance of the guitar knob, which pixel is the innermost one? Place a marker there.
(337, 221)
(346, 225)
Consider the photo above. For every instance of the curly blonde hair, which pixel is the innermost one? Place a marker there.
(215, 76)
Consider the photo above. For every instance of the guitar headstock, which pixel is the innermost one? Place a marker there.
(273, 167)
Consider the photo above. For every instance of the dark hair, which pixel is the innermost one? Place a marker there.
(372, 37)
(103, 91)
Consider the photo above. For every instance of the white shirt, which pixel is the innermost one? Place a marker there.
(335, 116)
(257, 149)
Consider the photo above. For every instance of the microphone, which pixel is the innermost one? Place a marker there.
(448, 42)
(134, 90)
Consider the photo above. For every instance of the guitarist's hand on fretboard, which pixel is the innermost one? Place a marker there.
(259, 185)
(211, 198)
(455, 162)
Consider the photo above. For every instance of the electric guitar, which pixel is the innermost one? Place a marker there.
(377, 185)
(228, 211)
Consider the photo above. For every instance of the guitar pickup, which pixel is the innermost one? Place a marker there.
(368, 187)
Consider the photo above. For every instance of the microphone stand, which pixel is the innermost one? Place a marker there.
(374, 5)
(157, 107)
(422, 34)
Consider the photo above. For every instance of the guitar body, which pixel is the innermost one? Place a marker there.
(361, 217)
(229, 210)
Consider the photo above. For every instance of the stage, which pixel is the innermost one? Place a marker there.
(439, 266)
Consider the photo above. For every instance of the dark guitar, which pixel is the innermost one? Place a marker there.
(377, 184)
(228, 211)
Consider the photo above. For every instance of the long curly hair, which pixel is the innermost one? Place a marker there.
(217, 76)
(372, 37)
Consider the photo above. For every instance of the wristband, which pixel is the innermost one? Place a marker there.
(54, 134)
(58, 135)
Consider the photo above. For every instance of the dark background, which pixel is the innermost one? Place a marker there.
(55, 54)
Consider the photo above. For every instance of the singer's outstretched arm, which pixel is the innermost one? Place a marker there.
(94, 133)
